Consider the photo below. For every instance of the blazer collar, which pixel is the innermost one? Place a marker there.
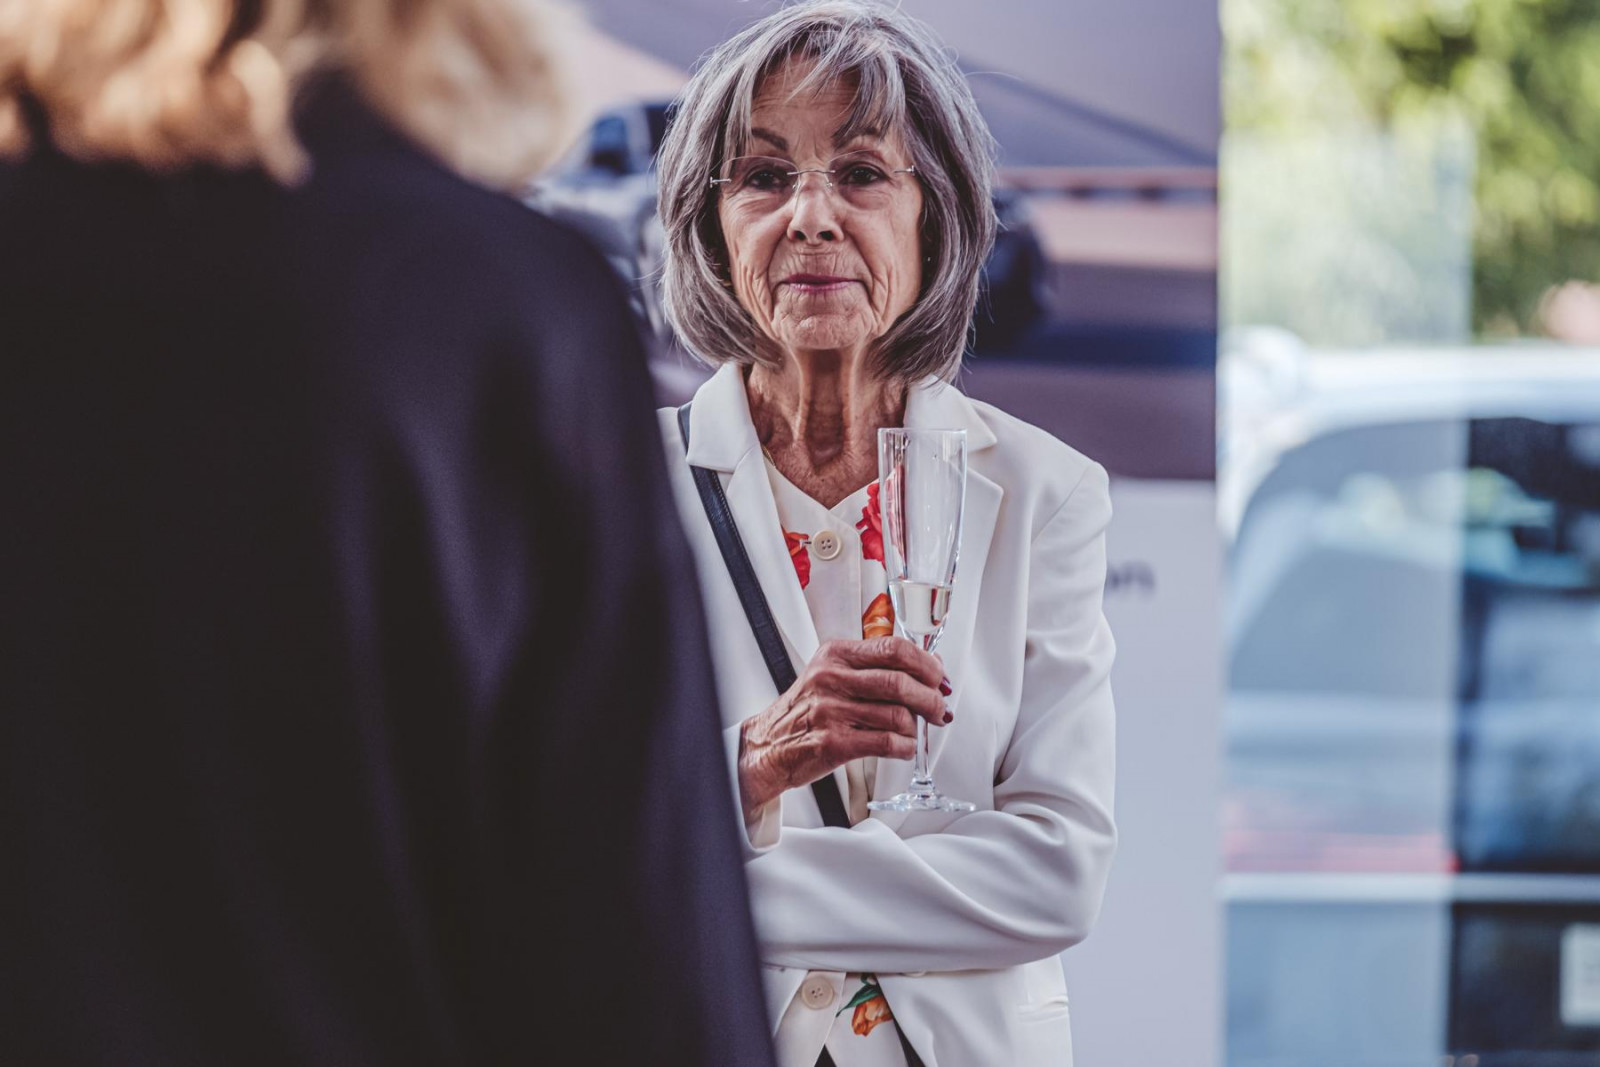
(722, 438)
(721, 434)
(937, 405)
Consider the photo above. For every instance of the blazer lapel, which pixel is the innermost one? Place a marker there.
(981, 510)
(935, 405)
(749, 493)
(722, 438)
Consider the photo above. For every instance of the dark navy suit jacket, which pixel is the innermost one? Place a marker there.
(354, 704)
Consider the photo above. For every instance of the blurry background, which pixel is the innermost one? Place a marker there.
(1100, 326)
(1377, 842)
(1409, 489)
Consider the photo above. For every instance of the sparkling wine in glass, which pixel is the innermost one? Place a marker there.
(922, 487)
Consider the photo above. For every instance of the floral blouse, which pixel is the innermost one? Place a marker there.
(838, 561)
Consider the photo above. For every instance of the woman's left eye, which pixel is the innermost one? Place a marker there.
(861, 174)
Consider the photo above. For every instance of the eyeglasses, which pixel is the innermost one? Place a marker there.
(767, 182)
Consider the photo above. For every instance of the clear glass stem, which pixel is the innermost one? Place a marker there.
(921, 780)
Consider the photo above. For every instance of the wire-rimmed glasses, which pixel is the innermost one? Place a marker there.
(863, 180)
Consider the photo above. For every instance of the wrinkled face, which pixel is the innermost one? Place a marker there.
(823, 268)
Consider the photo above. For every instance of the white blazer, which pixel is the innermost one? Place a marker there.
(961, 917)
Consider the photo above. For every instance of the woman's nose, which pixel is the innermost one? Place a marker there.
(813, 210)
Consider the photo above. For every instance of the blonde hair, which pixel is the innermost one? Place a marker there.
(169, 83)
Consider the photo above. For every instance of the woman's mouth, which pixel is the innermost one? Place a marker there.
(817, 283)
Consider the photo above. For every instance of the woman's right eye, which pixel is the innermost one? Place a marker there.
(765, 179)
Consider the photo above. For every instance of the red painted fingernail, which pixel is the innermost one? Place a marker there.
(944, 687)
(949, 717)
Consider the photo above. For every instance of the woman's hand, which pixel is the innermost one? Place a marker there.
(854, 699)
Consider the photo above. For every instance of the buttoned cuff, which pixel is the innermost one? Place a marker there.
(761, 831)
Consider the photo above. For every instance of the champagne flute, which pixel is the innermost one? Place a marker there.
(922, 488)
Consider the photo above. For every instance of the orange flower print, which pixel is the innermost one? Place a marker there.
(879, 619)
(871, 1008)
(871, 526)
(799, 555)
(869, 1013)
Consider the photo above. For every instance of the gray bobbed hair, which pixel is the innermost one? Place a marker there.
(905, 82)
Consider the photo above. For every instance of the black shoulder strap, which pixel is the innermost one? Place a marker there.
(755, 607)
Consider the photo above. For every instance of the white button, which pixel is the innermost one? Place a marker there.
(817, 993)
(825, 544)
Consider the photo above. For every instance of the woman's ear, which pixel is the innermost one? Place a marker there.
(719, 266)
(716, 250)
(928, 243)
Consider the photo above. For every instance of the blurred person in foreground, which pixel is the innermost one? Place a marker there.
(354, 705)
(825, 193)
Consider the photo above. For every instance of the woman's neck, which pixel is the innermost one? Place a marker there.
(818, 416)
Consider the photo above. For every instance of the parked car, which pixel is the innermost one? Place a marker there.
(606, 187)
(1412, 720)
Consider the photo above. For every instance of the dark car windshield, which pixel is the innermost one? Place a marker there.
(1414, 639)
(1354, 555)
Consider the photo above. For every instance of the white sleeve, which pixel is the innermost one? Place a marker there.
(761, 833)
(994, 888)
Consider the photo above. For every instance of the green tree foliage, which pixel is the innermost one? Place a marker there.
(1523, 76)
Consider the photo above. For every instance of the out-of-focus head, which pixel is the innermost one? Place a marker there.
(169, 83)
(826, 183)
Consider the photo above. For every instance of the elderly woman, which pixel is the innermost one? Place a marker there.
(825, 191)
